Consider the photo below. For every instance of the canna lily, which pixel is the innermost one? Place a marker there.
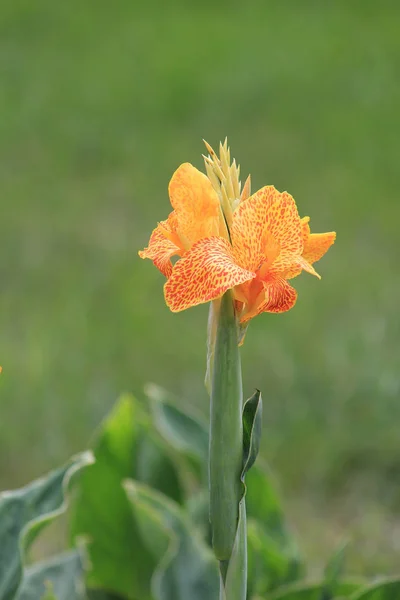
(267, 245)
(238, 251)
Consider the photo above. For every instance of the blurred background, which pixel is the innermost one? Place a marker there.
(99, 103)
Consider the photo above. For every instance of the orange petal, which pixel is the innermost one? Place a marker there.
(300, 265)
(267, 213)
(280, 296)
(317, 245)
(160, 248)
(203, 274)
(305, 228)
(196, 204)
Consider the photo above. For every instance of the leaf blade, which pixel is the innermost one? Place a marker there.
(24, 512)
(64, 573)
(186, 567)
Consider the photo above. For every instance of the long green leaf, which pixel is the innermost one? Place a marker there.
(270, 566)
(185, 432)
(102, 514)
(64, 573)
(274, 558)
(186, 568)
(124, 447)
(24, 512)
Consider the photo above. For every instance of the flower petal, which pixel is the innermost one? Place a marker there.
(267, 213)
(300, 265)
(317, 245)
(280, 297)
(196, 204)
(305, 228)
(294, 269)
(203, 274)
(160, 248)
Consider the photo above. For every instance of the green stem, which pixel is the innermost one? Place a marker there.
(226, 437)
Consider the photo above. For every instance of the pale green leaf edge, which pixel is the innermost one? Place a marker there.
(76, 463)
(158, 396)
(69, 563)
(131, 487)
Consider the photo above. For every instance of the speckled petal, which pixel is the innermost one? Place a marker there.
(279, 297)
(315, 246)
(196, 204)
(267, 213)
(203, 274)
(160, 248)
(298, 266)
(305, 228)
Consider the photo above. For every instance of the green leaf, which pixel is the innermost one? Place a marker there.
(252, 428)
(184, 431)
(154, 465)
(274, 551)
(49, 595)
(64, 574)
(388, 589)
(119, 560)
(24, 512)
(312, 591)
(102, 595)
(264, 505)
(268, 565)
(186, 567)
(198, 510)
(187, 434)
(125, 447)
(273, 555)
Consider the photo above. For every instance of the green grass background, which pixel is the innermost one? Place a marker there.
(99, 103)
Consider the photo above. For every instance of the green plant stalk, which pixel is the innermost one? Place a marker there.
(226, 438)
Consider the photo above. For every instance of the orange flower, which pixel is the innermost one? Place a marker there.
(196, 215)
(268, 245)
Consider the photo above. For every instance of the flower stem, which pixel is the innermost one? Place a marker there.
(226, 439)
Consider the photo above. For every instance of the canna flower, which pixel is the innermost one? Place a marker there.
(258, 245)
(267, 248)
